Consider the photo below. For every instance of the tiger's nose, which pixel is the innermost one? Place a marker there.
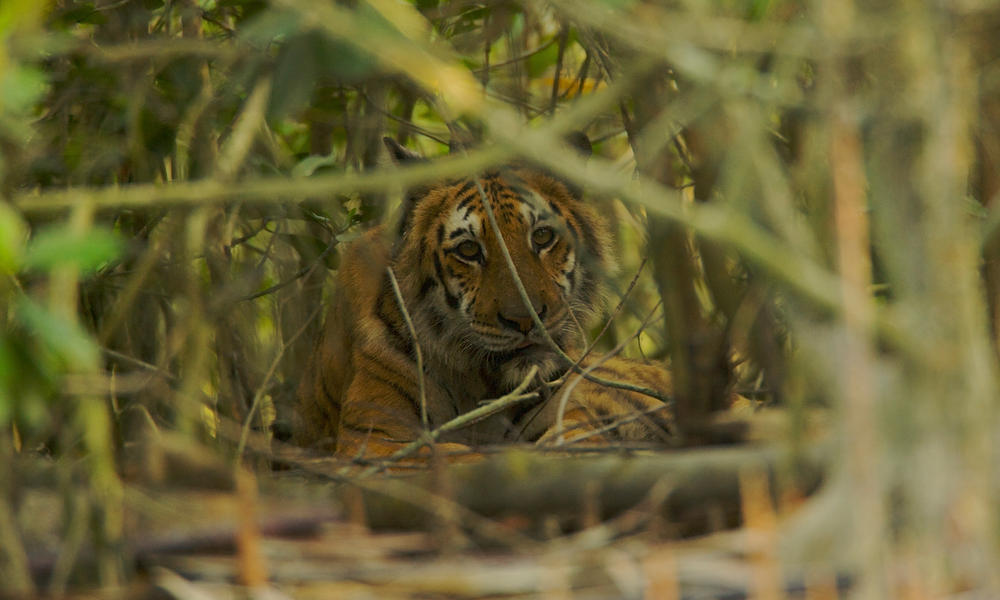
(521, 323)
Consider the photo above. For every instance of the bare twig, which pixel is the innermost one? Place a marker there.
(248, 123)
(140, 363)
(416, 346)
(617, 310)
(15, 567)
(303, 272)
(534, 315)
(563, 39)
(568, 389)
(263, 386)
(581, 77)
(519, 58)
(464, 420)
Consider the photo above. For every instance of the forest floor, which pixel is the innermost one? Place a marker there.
(622, 523)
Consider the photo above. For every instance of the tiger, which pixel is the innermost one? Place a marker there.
(362, 394)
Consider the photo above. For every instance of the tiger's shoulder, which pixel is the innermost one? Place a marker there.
(351, 318)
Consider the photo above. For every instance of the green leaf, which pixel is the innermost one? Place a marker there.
(7, 380)
(13, 233)
(343, 61)
(63, 338)
(20, 88)
(295, 75)
(84, 13)
(308, 59)
(310, 247)
(308, 165)
(270, 26)
(60, 247)
(757, 9)
(538, 63)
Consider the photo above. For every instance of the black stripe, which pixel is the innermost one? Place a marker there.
(571, 276)
(521, 194)
(588, 290)
(451, 300)
(429, 284)
(421, 246)
(438, 268)
(466, 198)
(390, 383)
(437, 322)
(334, 399)
(366, 429)
(398, 341)
(467, 187)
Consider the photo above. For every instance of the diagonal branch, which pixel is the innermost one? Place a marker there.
(463, 420)
(416, 346)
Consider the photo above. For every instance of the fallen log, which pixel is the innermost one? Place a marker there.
(693, 490)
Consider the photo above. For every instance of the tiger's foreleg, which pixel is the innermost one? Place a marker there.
(586, 411)
(380, 412)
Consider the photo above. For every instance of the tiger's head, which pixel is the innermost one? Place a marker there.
(458, 286)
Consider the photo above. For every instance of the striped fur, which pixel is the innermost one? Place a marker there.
(360, 395)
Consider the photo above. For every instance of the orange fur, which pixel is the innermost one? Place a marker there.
(361, 393)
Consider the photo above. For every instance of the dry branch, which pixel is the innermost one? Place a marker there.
(701, 482)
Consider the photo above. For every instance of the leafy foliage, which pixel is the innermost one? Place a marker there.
(176, 177)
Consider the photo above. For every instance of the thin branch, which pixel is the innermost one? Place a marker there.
(803, 275)
(140, 363)
(589, 346)
(534, 315)
(296, 276)
(581, 78)
(263, 385)
(248, 123)
(160, 49)
(257, 190)
(564, 396)
(464, 420)
(16, 565)
(617, 310)
(634, 416)
(516, 59)
(407, 122)
(223, 26)
(416, 346)
(249, 236)
(485, 70)
(563, 39)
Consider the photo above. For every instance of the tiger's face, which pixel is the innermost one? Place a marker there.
(462, 293)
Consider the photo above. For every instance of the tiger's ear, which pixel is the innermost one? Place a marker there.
(400, 154)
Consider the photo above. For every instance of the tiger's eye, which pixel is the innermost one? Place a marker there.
(469, 250)
(543, 236)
